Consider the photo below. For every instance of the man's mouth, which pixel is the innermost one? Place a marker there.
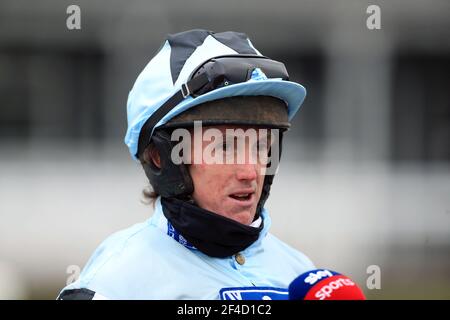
(245, 197)
(241, 197)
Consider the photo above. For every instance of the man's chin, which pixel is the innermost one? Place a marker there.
(243, 217)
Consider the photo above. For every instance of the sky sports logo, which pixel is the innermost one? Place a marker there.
(328, 290)
(313, 277)
(324, 284)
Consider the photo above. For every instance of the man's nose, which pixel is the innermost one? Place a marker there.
(247, 171)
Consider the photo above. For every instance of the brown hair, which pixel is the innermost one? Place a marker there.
(149, 196)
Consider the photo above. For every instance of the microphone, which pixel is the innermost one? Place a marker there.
(324, 284)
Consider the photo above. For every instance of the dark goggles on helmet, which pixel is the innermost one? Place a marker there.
(213, 74)
(227, 70)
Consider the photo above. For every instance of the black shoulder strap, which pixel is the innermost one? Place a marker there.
(77, 294)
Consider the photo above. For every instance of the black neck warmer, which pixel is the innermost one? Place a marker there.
(212, 234)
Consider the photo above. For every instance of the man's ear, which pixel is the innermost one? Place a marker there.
(151, 155)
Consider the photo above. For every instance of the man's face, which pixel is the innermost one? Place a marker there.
(231, 188)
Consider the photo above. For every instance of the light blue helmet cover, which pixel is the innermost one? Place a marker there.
(181, 53)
